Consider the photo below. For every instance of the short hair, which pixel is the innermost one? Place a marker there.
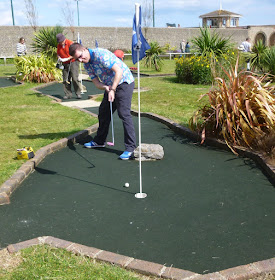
(22, 38)
(74, 47)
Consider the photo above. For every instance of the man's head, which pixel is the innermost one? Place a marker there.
(80, 53)
(60, 38)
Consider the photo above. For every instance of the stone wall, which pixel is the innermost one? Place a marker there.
(121, 37)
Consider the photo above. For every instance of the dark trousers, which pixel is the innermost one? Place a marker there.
(122, 103)
(70, 75)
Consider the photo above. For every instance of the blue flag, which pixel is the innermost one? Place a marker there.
(139, 44)
(96, 43)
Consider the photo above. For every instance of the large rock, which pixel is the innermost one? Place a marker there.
(149, 152)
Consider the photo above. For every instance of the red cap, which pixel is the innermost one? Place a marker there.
(119, 54)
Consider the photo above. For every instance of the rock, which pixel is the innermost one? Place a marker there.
(149, 152)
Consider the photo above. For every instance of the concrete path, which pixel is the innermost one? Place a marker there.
(81, 103)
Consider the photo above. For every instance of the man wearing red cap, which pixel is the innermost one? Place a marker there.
(71, 67)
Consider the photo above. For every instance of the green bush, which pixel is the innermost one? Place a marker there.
(210, 42)
(203, 69)
(194, 70)
(269, 61)
(36, 69)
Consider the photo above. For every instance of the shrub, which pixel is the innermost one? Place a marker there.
(241, 110)
(203, 69)
(193, 70)
(269, 61)
(152, 58)
(36, 69)
(257, 55)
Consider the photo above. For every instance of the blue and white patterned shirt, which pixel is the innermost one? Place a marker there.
(100, 66)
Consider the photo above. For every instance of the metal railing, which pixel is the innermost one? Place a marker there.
(170, 55)
(5, 59)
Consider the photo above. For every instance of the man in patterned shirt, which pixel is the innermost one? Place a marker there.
(109, 73)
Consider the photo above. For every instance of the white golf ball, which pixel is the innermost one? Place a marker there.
(126, 185)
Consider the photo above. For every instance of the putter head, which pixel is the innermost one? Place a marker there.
(110, 143)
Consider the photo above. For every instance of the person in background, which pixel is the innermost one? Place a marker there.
(119, 54)
(246, 47)
(112, 75)
(187, 47)
(182, 47)
(21, 48)
(71, 67)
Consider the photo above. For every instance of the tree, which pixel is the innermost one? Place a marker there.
(31, 13)
(68, 14)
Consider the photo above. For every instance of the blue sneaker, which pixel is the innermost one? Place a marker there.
(126, 155)
(93, 144)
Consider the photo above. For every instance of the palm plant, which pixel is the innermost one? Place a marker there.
(45, 42)
(211, 43)
(153, 59)
(241, 110)
(269, 60)
(257, 55)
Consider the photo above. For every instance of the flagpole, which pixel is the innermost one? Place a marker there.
(140, 194)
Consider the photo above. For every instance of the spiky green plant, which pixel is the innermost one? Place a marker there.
(257, 55)
(45, 42)
(37, 69)
(269, 61)
(152, 58)
(211, 43)
(241, 110)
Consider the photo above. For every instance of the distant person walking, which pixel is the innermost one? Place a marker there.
(21, 48)
(182, 46)
(246, 47)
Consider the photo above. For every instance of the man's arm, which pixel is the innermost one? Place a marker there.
(99, 84)
(118, 75)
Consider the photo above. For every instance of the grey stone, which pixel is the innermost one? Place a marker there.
(149, 152)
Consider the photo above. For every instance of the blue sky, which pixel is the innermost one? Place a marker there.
(110, 13)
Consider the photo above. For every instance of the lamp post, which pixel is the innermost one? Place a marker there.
(77, 11)
(12, 13)
(153, 13)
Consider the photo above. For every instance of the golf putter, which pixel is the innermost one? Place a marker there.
(112, 123)
(67, 80)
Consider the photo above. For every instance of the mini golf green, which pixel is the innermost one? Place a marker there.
(7, 82)
(206, 209)
(56, 90)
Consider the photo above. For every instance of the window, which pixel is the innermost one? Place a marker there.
(234, 22)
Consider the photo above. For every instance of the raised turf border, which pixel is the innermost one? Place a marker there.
(242, 272)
